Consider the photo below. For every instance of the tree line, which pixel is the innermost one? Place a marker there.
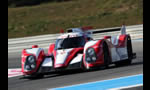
(17, 3)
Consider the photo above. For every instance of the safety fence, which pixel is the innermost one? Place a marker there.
(17, 44)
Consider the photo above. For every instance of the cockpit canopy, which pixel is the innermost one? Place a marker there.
(70, 42)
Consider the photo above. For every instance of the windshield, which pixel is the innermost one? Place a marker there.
(66, 43)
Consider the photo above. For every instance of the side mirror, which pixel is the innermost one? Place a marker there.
(51, 48)
(35, 46)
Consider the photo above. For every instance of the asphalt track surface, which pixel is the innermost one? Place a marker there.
(75, 76)
(134, 88)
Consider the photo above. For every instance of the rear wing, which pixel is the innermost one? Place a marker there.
(121, 29)
(80, 29)
(90, 30)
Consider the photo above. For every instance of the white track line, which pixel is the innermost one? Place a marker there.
(127, 87)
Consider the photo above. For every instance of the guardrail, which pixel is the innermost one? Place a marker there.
(17, 44)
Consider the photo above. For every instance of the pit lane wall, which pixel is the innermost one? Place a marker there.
(17, 44)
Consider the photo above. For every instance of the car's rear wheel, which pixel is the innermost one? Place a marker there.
(129, 51)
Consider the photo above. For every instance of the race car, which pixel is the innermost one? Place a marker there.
(77, 49)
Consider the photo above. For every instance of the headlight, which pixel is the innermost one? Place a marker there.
(30, 63)
(27, 67)
(93, 58)
(90, 51)
(88, 59)
(31, 59)
(90, 55)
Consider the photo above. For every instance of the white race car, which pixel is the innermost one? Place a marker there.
(77, 49)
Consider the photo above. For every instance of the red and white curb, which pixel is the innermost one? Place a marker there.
(14, 72)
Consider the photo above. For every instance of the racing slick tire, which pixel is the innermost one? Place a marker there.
(39, 76)
(130, 53)
(35, 76)
(106, 55)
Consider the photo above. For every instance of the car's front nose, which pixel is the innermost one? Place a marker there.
(61, 58)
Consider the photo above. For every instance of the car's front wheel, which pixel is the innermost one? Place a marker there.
(106, 55)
